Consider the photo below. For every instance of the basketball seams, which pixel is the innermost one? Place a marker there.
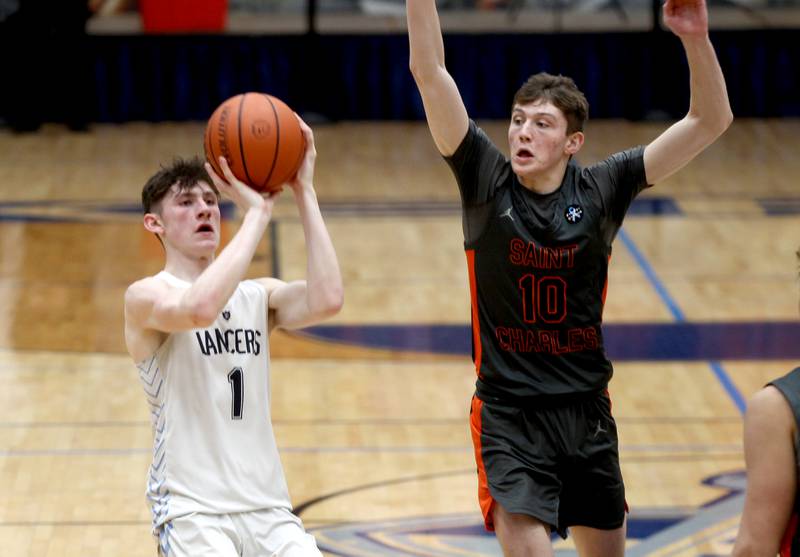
(241, 141)
(296, 165)
(212, 158)
(277, 141)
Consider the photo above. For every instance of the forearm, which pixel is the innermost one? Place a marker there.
(214, 287)
(425, 37)
(324, 290)
(709, 102)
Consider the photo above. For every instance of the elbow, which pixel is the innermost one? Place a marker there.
(423, 72)
(711, 128)
(329, 303)
(202, 314)
(416, 70)
(334, 302)
(412, 65)
(725, 120)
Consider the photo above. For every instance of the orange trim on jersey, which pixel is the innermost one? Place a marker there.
(476, 325)
(605, 286)
(484, 497)
(788, 537)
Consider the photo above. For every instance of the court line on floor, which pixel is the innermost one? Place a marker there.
(676, 448)
(58, 523)
(716, 367)
(383, 422)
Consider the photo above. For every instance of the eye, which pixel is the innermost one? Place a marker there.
(211, 200)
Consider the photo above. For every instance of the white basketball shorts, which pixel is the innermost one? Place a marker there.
(266, 533)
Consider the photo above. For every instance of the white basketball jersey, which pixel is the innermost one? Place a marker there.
(214, 449)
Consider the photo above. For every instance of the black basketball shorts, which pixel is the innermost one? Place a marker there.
(558, 463)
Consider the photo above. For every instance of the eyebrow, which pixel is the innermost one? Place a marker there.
(192, 193)
(534, 115)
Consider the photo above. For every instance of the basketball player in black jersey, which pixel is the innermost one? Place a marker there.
(772, 453)
(538, 231)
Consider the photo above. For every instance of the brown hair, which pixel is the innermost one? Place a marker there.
(559, 90)
(183, 173)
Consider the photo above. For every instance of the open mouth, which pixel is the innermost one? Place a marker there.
(524, 154)
(205, 228)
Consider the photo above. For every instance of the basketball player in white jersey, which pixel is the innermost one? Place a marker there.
(199, 334)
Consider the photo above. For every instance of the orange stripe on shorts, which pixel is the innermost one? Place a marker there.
(484, 497)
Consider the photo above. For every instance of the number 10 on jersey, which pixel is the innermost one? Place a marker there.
(544, 299)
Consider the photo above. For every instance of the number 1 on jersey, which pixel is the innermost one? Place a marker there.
(236, 379)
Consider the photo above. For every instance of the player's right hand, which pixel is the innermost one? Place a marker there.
(240, 193)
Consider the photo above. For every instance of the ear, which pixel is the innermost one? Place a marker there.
(152, 223)
(574, 143)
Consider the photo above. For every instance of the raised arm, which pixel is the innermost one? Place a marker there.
(771, 482)
(709, 110)
(304, 302)
(444, 109)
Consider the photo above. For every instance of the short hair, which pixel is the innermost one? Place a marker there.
(185, 173)
(559, 90)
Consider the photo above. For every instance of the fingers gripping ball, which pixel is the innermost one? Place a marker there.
(260, 138)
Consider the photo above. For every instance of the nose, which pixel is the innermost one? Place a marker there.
(525, 131)
(204, 209)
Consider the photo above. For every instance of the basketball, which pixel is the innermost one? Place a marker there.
(259, 136)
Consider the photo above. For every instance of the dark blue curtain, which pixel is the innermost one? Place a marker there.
(624, 75)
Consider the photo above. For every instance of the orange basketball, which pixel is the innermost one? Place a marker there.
(260, 138)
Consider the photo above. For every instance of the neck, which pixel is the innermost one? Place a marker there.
(187, 267)
(547, 181)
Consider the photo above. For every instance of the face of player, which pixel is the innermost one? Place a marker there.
(538, 140)
(191, 220)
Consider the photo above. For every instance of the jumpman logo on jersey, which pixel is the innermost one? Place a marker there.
(507, 213)
(599, 429)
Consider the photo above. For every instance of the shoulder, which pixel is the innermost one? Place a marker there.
(789, 384)
(142, 295)
(629, 158)
(269, 285)
(475, 142)
(768, 409)
(143, 290)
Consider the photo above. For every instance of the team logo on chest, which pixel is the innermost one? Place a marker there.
(573, 214)
(226, 315)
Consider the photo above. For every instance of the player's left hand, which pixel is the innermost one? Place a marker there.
(305, 174)
(686, 18)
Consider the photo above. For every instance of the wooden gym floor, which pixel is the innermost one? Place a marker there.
(371, 410)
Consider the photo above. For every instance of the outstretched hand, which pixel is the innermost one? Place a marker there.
(686, 18)
(240, 193)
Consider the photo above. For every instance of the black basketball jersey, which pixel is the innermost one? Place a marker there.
(537, 268)
(789, 386)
